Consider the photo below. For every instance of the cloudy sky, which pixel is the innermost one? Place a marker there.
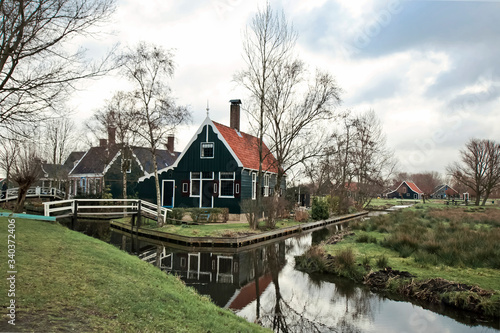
(429, 69)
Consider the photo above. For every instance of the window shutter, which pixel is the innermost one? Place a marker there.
(185, 188)
(216, 188)
(237, 188)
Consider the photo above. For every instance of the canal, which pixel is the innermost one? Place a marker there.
(262, 285)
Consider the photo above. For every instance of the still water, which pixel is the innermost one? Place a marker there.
(262, 285)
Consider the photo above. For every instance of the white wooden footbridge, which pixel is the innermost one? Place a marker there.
(103, 207)
(33, 192)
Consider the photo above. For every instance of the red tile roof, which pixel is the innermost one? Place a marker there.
(246, 148)
(414, 187)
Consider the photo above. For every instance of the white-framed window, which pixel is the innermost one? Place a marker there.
(226, 184)
(254, 186)
(266, 185)
(195, 184)
(207, 150)
(237, 188)
(185, 187)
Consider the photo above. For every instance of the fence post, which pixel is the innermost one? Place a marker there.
(139, 214)
(75, 214)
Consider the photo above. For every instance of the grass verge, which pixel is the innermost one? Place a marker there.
(67, 281)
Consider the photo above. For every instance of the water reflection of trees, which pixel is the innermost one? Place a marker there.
(282, 316)
(294, 315)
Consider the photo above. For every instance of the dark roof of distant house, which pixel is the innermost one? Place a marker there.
(75, 156)
(95, 160)
(54, 171)
(245, 146)
(163, 158)
(445, 187)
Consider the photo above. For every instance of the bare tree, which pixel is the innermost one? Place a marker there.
(340, 162)
(118, 116)
(25, 172)
(357, 163)
(267, 43)
(427, 182)
(479, 169)
(36, 69)
(293, 121)
(59, 139)
(373, 162)
(156, 114)
(8, 153)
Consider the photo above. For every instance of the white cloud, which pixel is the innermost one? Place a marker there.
(418, 77)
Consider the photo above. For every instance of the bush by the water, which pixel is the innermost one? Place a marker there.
(319, 210)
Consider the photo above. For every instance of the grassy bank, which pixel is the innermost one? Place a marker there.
(454, 244)
(67, 281)
(383, 204)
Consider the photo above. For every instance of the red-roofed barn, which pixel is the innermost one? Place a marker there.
(406, 190)
(218, 168)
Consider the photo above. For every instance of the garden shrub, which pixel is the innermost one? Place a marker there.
(319, 210)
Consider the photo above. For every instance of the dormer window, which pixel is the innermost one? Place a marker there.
(207, 150)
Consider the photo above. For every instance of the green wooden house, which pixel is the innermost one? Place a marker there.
(218, 168)
(103, 167)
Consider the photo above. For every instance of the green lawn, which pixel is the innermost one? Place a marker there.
(213, 230)
(67, 281)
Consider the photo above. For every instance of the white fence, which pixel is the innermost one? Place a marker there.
(103, 207)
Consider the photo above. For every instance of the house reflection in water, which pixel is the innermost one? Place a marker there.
(232, 280)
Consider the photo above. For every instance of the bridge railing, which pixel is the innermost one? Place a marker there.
(103, 207)
(36, 191)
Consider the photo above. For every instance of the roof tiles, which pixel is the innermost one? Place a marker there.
(246, 148)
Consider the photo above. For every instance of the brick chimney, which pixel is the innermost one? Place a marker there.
(234, 121)
(111, 135)
(170, 143)
(103, 142)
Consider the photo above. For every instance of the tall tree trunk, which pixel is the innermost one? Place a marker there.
(158, 193)
(21, 198)
(124, 175)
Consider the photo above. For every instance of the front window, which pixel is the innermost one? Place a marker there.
(226, 180)
(207, 150)
(195, 184)
(266, 185)
(254, 186)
